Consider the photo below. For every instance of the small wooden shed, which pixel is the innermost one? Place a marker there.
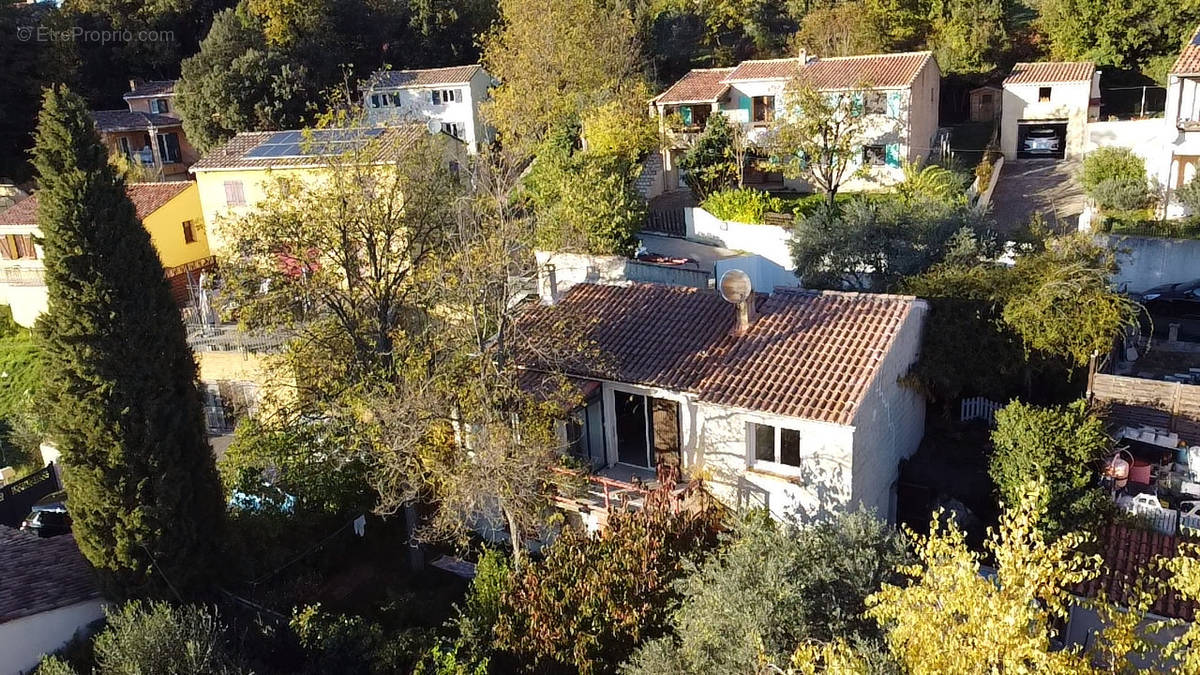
(985, 103)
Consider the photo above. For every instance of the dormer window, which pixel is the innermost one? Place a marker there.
(161, 106)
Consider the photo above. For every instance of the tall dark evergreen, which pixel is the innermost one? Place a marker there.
(120, 395)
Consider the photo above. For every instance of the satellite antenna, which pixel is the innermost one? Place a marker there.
(735, 288)
(435, 127)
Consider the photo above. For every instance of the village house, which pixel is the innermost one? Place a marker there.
(901, 90)
(444, 99)
(170, 212)
(1046, 109)
(48, 593)
(149, 134)
(790, 401)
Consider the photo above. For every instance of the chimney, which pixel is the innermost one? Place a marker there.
(133, 84)
(746, 316)
(550, 279)
(803, 56)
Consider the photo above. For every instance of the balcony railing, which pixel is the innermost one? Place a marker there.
(1185, 124)
(23, 276)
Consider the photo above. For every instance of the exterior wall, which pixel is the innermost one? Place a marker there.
(23, 641)
(815, 491)
(165, 226)
(764, 274)
(137, 140)
(1069, 101)
(1146, 262)
(921, 116)
(218, 215)
(769, 241)
(417, 106)
(144, 104)
(890, 423)
(577, 268)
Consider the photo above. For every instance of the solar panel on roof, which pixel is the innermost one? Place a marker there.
(318, 143)
(1196, 39)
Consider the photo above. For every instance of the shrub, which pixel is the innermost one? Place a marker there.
(1112, 177)
(742, 205)
(1188, 194)
(159, 638)
(337, 643)
(596, 597)
(709, 164)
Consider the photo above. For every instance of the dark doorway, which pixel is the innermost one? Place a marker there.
(632, 443)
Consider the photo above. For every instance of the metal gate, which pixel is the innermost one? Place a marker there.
(670, 222)
(18, 497)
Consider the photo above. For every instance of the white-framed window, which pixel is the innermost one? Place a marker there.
(161, 106)
(451, 128)
(374, 100)
(770, 444)
(440, 96)
(235, 194)
(123, 144)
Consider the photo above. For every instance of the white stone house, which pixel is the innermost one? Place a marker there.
(48, 593)
(794, 405)
(444, 99)
(1046, 108)
(903, 107)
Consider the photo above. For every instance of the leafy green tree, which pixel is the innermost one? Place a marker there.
(773, 586)
(969, 36)
(238, 83)
(1060, 446)
(710, 164)
(1128, 35)
(875, 243)
(554, 61)
(20, 378)
(1116, 179)
(119, 393)
(595, 597)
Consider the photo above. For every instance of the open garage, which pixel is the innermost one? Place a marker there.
(1041, 139)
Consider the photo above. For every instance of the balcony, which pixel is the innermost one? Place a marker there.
(619, 488)
(1185, 124)
(23, 276)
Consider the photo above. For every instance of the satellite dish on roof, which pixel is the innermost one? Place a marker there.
(435, 126)
(735, 286)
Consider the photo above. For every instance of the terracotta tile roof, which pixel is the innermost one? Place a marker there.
(146, 197)
(152, 88)
(841, 72)
(1049, 72)
(700, 85)
(1127, 554)
(809, 354)
(427, 77)
(38, 575)
(131, 120)
(1188, 62)
(232, 154)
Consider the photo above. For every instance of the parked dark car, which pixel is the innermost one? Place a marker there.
(48, 517)
(1042, 141)
(1177, 300)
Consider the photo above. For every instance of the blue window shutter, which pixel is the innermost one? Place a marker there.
(891, 153)
(893, 104)
(857, 98)
(744, 103)
(686, 113)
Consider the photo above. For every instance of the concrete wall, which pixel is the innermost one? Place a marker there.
(1150, 261)
(578, 268)
(764, 274)
(23, 641)
(1069, 101)
(1149, 139)
(416, 104)
(890, 423)
(768, 241)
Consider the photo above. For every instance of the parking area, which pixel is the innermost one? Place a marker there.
(1047, 186)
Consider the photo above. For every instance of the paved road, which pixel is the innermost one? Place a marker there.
(1026, 186)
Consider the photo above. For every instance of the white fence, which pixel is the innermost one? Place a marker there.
(768, 241)
(979, 408)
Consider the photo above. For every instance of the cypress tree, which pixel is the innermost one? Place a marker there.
(120, 395)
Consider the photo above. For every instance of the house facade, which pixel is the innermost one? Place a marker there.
(1046, 109)
(794, 406)
(149, 133)
(444, 99)
(902, 91)
(1182, 157)
(170, 212)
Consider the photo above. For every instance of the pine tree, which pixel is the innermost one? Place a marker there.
(120, 396)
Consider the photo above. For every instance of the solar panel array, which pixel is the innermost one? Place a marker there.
(318, 143)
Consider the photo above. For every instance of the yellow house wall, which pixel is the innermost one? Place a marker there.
(218, 215)
(166, 229)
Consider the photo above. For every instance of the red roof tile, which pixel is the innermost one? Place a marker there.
(841, 72)
(146, 197)
(427, 77)
(38, 575)
(1049, 72)
(809, 354)
(1188, 62)
(1127, 554)
(700, 85)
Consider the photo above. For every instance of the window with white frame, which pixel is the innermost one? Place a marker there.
(774, 445)
(451, 128)
(440, 96)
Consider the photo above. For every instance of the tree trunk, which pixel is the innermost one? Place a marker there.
(514, 537)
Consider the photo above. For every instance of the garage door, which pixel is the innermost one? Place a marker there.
(1041, 140)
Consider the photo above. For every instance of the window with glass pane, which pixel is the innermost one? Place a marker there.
(789, 447)
(764, 443)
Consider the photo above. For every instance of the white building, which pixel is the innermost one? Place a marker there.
(794, 405)
(904, 104)
(444, 99)
(1046, 109)
(48, 593)
(1182, 158)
